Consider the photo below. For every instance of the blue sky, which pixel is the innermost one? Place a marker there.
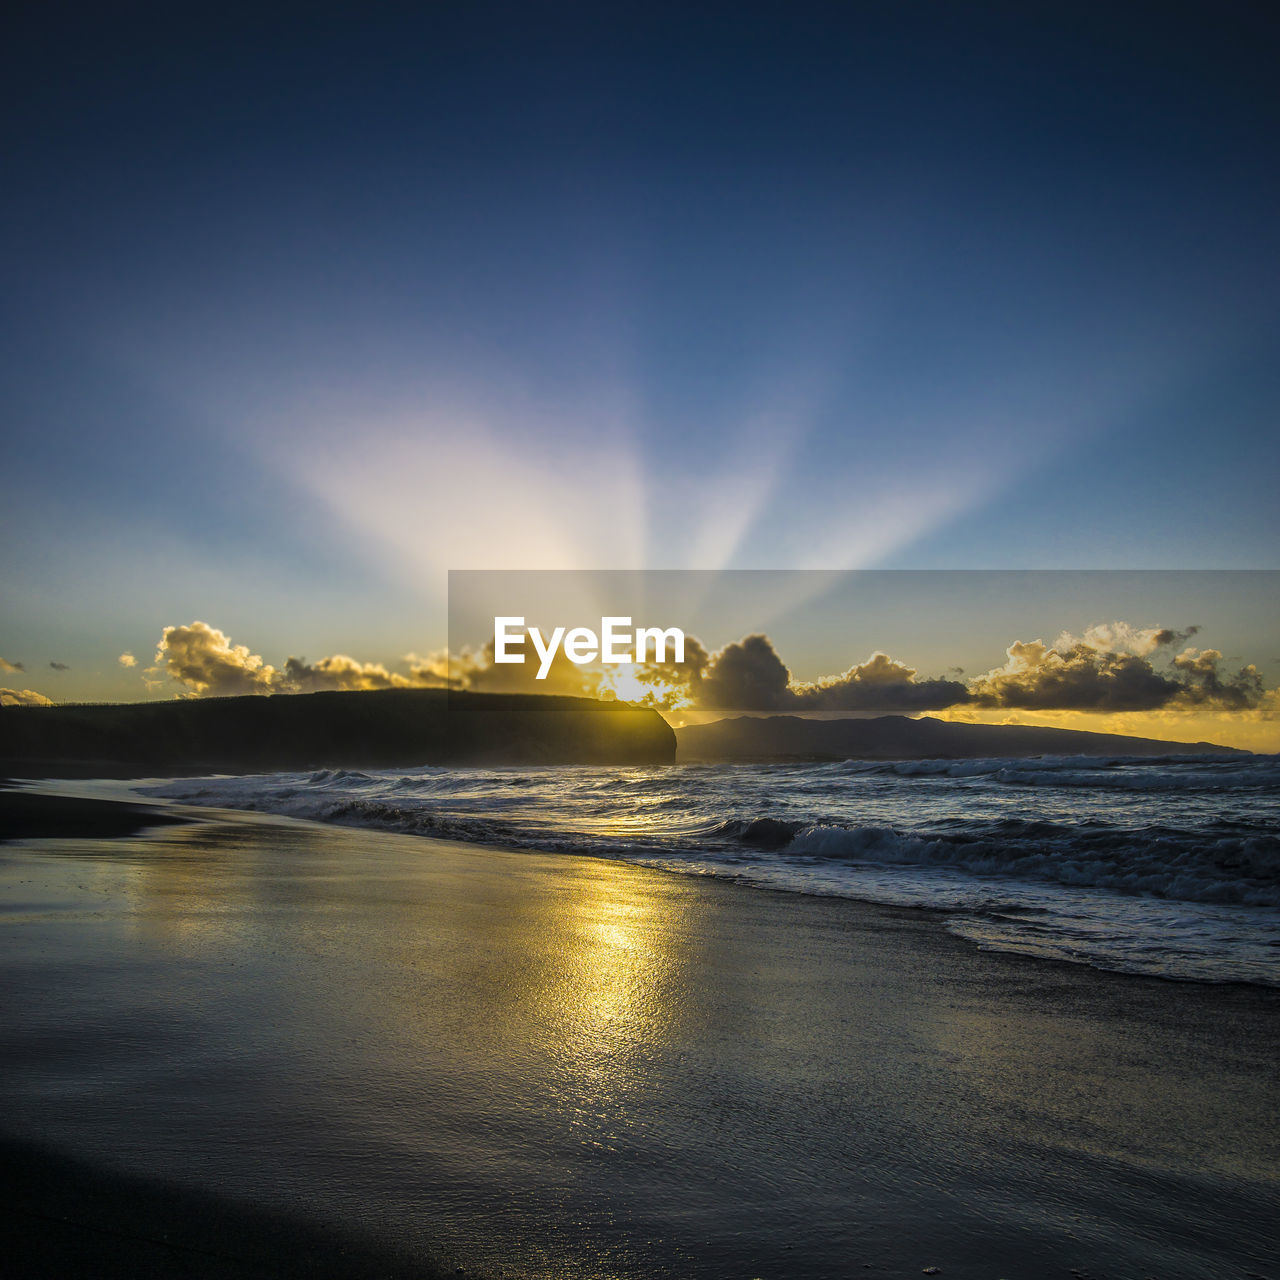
(304, 310)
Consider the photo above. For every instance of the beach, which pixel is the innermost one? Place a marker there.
(640, 642)
(270, 1040)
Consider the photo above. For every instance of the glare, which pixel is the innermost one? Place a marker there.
(630, 683)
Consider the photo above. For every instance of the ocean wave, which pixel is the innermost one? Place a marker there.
(1175, 866)
(1130, 773)
(1218, 861)
(1169, 866)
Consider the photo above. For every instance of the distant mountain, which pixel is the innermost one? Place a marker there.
(901, 738)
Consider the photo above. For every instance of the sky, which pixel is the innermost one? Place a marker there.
(988, 646)
(306, 307)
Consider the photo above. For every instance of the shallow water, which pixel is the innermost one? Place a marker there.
(571, 1067)
(1168, 867)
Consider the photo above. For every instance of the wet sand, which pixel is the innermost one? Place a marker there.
(61, 1218)
(34, 815)
(556, 1066)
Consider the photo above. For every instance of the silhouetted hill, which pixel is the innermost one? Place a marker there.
(368, 730)
(901, 738)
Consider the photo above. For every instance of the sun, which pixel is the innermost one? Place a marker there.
(631, 683)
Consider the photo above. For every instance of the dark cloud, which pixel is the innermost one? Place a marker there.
(1039, 678)
(1111, 668)
(1205, 682)
(60, 666)
(1165, 638)
(747, 675)
(750, 676)
(880, 684)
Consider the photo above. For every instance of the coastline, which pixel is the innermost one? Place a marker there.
(567, 1066)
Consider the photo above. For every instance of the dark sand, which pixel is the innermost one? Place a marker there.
(32, 815)
(61, 1218)
(313, 1039)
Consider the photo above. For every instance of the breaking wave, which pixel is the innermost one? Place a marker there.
(1167, 866)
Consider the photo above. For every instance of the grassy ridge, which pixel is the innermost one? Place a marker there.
(382, 729)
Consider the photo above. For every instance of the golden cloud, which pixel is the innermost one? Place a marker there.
(23, 698)
(207, 664)
(1113, 669)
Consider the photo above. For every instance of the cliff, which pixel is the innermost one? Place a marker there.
(367, 730)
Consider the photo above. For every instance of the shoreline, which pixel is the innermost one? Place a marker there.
(953, 916)
(159, 811)
(113, 807)
(545, 1064)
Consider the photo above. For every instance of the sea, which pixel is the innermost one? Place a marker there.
(1167, 867)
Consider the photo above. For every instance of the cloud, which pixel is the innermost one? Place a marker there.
(1112, 668)
(11, 666)
(1205, 682)
(338, 672)
(1122, 637)
(748, 675)
(669, 685)
(428, 671)
(127, 659)
(880, 684)
(477, 671)
(205, 661)
(23, 698)
(661, 685)
(1038, 677)
(59, 666)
